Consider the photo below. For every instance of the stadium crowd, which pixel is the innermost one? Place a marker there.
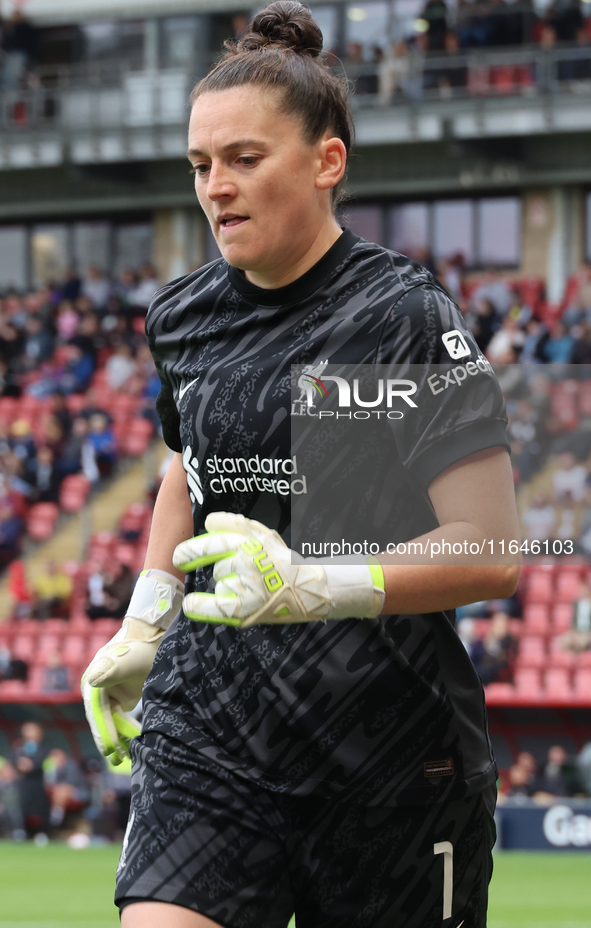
(45, 792)
(65, 349)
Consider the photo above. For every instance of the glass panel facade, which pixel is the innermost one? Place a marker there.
(588, 227)
(13, 257)
(178, 41)
(49, 252)
(92, 245)
(499, 231)
(133, 245)
(453, 230)
(408, 229)
(326, 17)
(367, 25)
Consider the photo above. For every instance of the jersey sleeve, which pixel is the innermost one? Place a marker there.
(460, 408)
(165, 404)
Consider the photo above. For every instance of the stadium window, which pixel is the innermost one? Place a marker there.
(366, 221)
(133, 245)
(13, 257)
(408, 229)
(49, 252)
(499, 231)
(367, 25)
(453, 230)
(326, 17)
(91, 245)
(178, 41)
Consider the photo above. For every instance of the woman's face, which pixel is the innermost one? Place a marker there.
(261, 185)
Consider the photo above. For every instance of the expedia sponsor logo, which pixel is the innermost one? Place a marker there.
(563, 828)
(458, 374)
(456, 344)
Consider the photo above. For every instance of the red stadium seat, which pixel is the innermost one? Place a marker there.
(539, 588)
(536, 619)
(582, 687)
(568, 585)
(74, 649)
(24, 647)
(74, 492)
(557, 685)
(585, 660)
(562, 617)
(41, 521)
(532, 652)
(527, 684)
(561, 658)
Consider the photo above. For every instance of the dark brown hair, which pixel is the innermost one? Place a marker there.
(281, 51)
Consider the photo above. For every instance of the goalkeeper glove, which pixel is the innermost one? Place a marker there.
(113, 681)
(256, 581)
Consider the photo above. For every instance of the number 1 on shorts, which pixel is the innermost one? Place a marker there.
(446, 848)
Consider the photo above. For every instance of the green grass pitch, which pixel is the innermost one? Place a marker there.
(56, 887)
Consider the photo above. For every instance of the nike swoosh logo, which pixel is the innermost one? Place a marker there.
(185, 387)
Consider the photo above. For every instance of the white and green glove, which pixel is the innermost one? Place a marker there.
(258, 580)
(113, 681)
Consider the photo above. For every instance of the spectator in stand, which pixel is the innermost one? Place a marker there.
(38, 345)
(127, 283)
(67, 321)
(141, 296)
(534, 331)
(11, 530)
(435, 14)
(71, 286)
(569, 479)
(30, 753)
(96, 287)
(115, 592)
(567, 19)
(539, 518)
(556, 777)
(60, 411)
(57, 676)
(102, 439)
(19, 590)
(53, 589)
(521, 783)
(455, 77)
(46, 477)
(120, 366)
(393, 72)
(559, 346)
(495, 289)
(66, 784)
(22, 445)
(578, 638)
(18, 50)
(485, 322)
(583, 764)
(493, 655)
(11, 820)
(72, 454)
(506, 343)
(581, 353)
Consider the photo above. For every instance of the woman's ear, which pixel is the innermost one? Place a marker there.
(332, 163)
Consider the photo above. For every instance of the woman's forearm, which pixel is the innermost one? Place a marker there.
(172, 521)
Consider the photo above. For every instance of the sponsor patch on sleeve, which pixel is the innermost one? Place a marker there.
(439, 768)
(456, 344)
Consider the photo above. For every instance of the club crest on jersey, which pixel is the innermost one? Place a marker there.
(456, 344)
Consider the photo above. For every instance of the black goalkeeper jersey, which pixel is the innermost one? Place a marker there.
(381, 711)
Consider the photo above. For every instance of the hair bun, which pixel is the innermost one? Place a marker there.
(286, 23)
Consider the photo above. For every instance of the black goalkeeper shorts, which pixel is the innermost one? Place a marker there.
(249, 858)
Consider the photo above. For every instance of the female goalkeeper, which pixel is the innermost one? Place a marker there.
(314, 736)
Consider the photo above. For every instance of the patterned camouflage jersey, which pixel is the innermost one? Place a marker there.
(380, 711)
